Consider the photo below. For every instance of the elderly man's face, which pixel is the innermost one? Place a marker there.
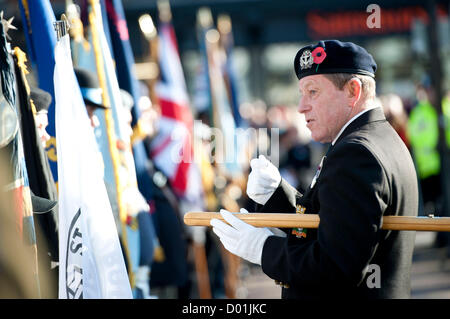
(325, 107)
(41, 120)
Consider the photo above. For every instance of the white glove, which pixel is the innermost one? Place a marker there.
(240, 238)
(142, 280)
(134, 201)
(263, 180)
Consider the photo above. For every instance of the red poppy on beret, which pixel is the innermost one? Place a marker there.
(319, 55)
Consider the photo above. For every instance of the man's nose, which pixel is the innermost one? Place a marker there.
(303, 106)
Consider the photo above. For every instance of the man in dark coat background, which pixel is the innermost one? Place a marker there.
(366, 174)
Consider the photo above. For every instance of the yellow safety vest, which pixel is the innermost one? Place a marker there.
(423, 133)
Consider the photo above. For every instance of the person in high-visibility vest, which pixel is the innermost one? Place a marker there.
(423, 132)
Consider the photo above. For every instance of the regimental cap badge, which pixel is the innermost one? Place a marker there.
(306, 60)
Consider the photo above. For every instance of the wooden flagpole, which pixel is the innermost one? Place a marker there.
(426, 223)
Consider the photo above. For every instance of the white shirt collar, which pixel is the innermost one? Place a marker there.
(351, 120)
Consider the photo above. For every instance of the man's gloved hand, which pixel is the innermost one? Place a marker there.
(240, 238)
(263, 180)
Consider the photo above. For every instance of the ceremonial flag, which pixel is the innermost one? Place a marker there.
(140, 176)
(172, 149)
(91, 260)
(37, 20)
(228, 67)
(227, 152)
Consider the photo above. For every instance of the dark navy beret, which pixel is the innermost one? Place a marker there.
(90, 87)
(41, 99)
(86, 78)
(333, 56)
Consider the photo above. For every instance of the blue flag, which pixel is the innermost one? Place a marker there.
(38, 18)
(124, 62)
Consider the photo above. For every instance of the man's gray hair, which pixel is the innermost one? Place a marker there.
(368, 83)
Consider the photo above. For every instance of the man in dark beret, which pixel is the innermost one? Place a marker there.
(91, 92)
(41, 101)
(366, 174)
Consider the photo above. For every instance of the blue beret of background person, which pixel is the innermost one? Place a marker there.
(91, 92)
(367, 173)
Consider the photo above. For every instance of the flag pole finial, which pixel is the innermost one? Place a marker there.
(61, 27)
(7, 25)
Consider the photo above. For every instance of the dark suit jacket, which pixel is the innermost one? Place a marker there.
(367, 174)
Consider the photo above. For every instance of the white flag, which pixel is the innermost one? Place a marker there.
(91, 263)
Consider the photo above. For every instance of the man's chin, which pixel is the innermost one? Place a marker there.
(315, 137)
(320, 139)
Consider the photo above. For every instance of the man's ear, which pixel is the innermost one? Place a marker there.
(354, 89)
